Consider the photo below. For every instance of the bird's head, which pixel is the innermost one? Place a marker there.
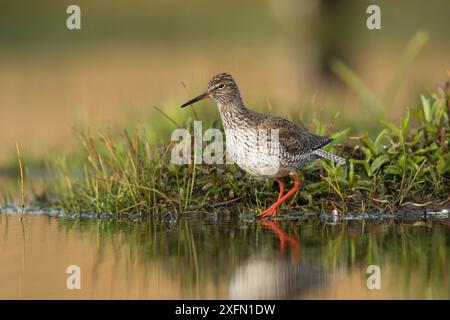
(221, 88)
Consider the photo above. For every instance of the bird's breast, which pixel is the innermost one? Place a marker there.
(254, 152)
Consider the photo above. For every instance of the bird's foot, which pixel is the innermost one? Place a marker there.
(274, 208)
(270, 212)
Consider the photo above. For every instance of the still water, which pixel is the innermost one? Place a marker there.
(222, 257)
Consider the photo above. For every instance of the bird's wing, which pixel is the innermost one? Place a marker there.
(294, 139)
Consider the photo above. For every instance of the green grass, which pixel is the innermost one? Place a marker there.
(403, 164)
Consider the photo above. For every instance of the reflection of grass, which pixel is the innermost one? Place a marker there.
(403, 164)
(186, 250)
(198, 253)
(408, 247)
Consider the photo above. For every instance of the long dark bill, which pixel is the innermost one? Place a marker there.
(198, 98)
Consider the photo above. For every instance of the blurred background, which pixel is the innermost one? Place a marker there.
(130, 56)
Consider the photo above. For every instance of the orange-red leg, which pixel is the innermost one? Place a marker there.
(281, 185)
(274, 208)
(281, 194)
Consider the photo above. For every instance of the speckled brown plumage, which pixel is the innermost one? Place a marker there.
(263, 145)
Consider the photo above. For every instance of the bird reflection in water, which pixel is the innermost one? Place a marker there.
(285, 276)
(284, 238)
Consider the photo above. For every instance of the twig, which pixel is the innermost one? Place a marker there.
(416, 204)
(225, 202)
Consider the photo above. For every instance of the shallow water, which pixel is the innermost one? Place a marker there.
(222, 256)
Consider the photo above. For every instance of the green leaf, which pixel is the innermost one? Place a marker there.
(427, 150)
(405, 123)
(370, 145)
(418, 114)
(401, 161)
(441, 164)
(378, 162)
(394, 170)
(426, 108)
(379, 137)
(365, 164)
(439, 107)
(351, 172)
(339, 134)
(394, 129)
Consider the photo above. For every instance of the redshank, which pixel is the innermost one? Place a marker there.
(265, 146)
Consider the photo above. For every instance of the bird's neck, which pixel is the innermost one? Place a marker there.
(232, 113)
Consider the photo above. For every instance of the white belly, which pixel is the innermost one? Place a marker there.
(253, 154)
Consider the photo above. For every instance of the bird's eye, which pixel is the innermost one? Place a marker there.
(221, 86)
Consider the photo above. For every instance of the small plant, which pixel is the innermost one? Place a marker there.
(403, 164)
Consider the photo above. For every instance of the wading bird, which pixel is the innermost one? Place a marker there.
(265, 146)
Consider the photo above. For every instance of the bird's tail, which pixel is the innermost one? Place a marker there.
(323, 154)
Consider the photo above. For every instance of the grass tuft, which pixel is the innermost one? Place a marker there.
(406, 163)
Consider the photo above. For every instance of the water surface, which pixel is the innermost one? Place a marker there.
(222, 256)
